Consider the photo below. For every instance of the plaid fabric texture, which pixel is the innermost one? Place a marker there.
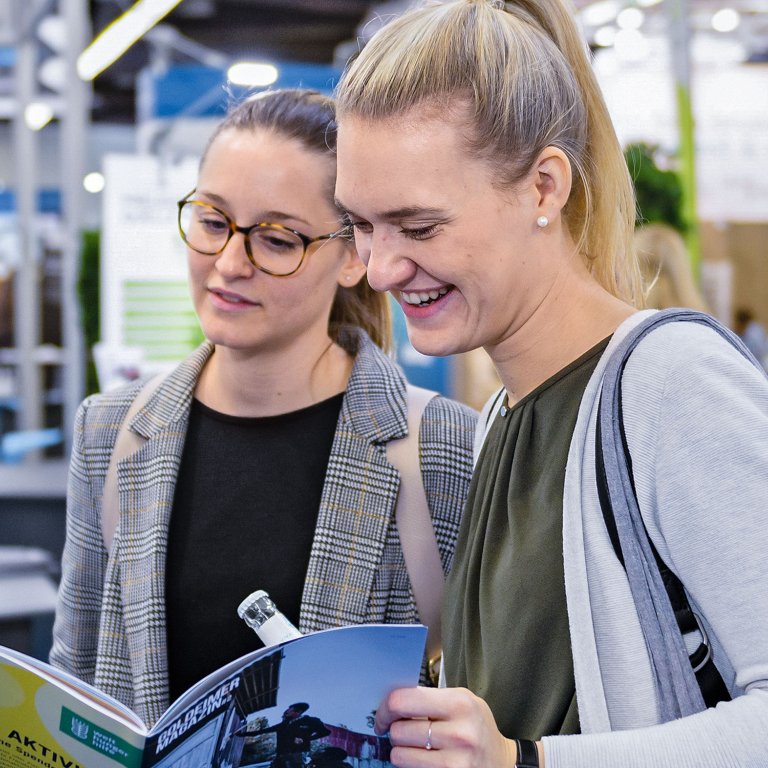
(110, 619)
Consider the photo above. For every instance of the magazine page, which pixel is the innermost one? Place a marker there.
(310, 701)
(44, 721)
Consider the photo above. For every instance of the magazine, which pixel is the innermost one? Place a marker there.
(309, 701)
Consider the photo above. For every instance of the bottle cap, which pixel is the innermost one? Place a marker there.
(256, 609)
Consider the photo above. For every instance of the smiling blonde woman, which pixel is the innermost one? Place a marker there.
(489, 195)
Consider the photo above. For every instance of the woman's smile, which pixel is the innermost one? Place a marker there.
(424, 297)
(423, 304)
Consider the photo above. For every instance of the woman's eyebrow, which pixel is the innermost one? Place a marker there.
(397, 213)
(272, 216)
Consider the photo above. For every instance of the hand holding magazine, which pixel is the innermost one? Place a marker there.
(310, 701)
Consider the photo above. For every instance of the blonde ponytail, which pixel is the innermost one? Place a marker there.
(605, 201)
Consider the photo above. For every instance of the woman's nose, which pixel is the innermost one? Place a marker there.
(388, 267)
(233, 261)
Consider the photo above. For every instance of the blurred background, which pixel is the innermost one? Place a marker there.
(105, 106)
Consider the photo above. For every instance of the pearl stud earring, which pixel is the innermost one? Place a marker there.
(542, 221)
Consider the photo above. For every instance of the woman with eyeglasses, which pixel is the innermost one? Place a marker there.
(482, 175)
(265, 465)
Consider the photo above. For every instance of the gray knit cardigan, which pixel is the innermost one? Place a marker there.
(696, 419)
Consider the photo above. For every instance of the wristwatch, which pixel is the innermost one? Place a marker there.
(527, 754)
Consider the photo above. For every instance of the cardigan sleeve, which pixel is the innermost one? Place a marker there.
(696, 419)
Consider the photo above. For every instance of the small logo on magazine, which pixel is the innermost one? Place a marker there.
(99, 739)
(79, 728)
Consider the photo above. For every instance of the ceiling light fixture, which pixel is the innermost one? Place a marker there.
(52, 30)
(605, 36)
(120, 35)
(93, 182)
(725, 20)
(630, 18)
(52, 73)
(252, 74)
(600, 13)
(37, 114)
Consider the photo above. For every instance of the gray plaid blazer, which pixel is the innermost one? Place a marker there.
(110, 619)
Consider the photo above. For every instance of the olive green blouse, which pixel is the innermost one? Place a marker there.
(505, 623)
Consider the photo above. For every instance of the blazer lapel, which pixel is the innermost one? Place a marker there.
(359, 496)
(146, 486)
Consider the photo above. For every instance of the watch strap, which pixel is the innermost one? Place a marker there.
(527, 754)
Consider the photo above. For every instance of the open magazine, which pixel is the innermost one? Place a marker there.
(308, 701)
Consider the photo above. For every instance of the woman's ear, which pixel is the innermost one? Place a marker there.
(352, 268)
(553, 178)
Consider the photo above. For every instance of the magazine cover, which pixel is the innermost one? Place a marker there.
(307, 702)
(51, 720)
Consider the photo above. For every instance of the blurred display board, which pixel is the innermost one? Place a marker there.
(147, 319)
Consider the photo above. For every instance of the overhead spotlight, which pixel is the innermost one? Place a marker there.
(52, 30)
(725, 20)
(93, 182)
(252, 74)
(52, 73)
(120, 35)
(37, 114)
(605, 36)
(599, 13)
(630, 18)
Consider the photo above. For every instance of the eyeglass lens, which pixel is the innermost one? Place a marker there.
(206, 230)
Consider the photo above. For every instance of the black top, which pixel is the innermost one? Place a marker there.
(505, 621)
(243, 518)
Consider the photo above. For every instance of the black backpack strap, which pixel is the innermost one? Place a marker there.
(710, 681)
(602, 489)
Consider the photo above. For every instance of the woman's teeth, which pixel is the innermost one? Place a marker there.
(423, 297)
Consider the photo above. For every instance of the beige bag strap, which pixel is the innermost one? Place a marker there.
(414, 522)
(126, 443)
